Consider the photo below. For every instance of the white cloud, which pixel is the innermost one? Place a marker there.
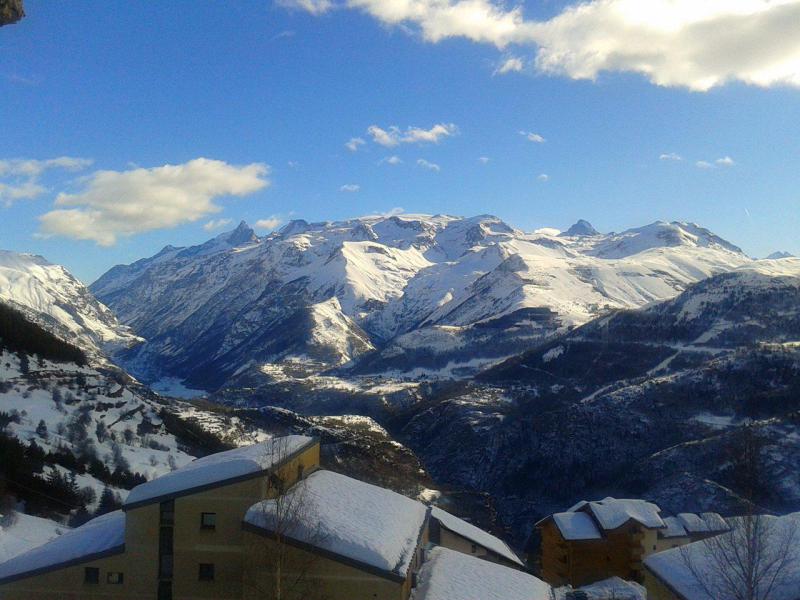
(428, 165)
(391, 160)
(21, 176)
(216, 224)
(293, 164)
(551, 231)
(268, 224)
(725, 161)
(350, 187)
(124, 203)
(315, 7)
(483, 159)
(670, 156)
(354, 143)
(543, 177)
(703, 164)
(393, 136)
(532, 137)
(684, 43)
(512, 64)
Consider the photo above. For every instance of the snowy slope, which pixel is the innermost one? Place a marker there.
(52, 297)
(387, 286)
(20, 533)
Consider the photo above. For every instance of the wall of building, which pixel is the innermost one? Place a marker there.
(68, 583)
(324, 579)
(656, 590)
(452, 540)
(673, 542)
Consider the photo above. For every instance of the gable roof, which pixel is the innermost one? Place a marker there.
(101, 536)
(612, 513)
(452, 575)
(222, 468)
(703, 523)
(362, 523)
(674, 528)
(674, 567)
(474, 534)
(577, 526)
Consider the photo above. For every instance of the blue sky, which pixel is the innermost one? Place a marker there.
(271, 93)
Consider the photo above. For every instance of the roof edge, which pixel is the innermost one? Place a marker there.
(222, 483)
(65, 564)
(329, 554)
(663, 581)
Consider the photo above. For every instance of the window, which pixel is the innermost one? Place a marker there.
(208, 520)
(168, 512)
(299, 472)
(114, 578)
(164, 590)
(91, 575)
(474, 548)
(206, 572)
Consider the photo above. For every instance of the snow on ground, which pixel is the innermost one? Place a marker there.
(20, 532)
(451, 575)
(351, 518)
(98, 535)
(474, 534)
(219, 467)
(173, 387)
(614, 588)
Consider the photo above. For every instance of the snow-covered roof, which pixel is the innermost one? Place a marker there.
(577, 526)
(474, 534)
(675, 567)
(452, 575)
(614, 588)
(612, 513)
(218, 469)
(674, 528)
(702, 523)
(105, 534)
(370, 525)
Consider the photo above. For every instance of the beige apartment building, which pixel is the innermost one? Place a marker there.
(235, 524)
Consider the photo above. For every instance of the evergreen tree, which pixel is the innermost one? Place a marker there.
(41, 430)
(108, 503)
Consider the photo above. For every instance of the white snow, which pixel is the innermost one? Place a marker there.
(354, 519)
(553, 353)
(612, 513)
(102, 534)
(615, 588)
(703, 523)
(674, 528)
(218, 468)
(474, 534)
(20, 532)
(577, 526)
(451, 575)
(675, 567)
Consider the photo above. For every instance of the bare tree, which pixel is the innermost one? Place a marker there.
(761, 553)
(287, 516)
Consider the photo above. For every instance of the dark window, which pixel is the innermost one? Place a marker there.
(208, 520)
(299, 472)
(91, 575)
(168, 512)
(206, 572)
(474, 548)
(114, 577)
(165, 566)
(164, 590)
(165, 540)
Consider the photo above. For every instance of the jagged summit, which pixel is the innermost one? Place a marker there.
(580, 228)
(243, 234)
(779, 255)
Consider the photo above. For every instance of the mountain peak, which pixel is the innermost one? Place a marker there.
(780, 254)
(241, 235)
(580, 228)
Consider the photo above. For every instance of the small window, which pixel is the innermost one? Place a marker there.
(474, 548)
(114, 578)
(164, 590)
(167, 513)
(206, 572)
(300, 469)
(91, 575)
(208, 520)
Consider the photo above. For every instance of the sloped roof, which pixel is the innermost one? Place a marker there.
(674, 567)
(474, 534)
(100, 536)
(612, 513)
(577, 526)
(614, 588)
(452, 575)
(218, 469)
(674, 528)
(364, 523)
(703, 523)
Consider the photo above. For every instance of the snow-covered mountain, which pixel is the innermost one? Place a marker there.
(49, 295)
(403, 294)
